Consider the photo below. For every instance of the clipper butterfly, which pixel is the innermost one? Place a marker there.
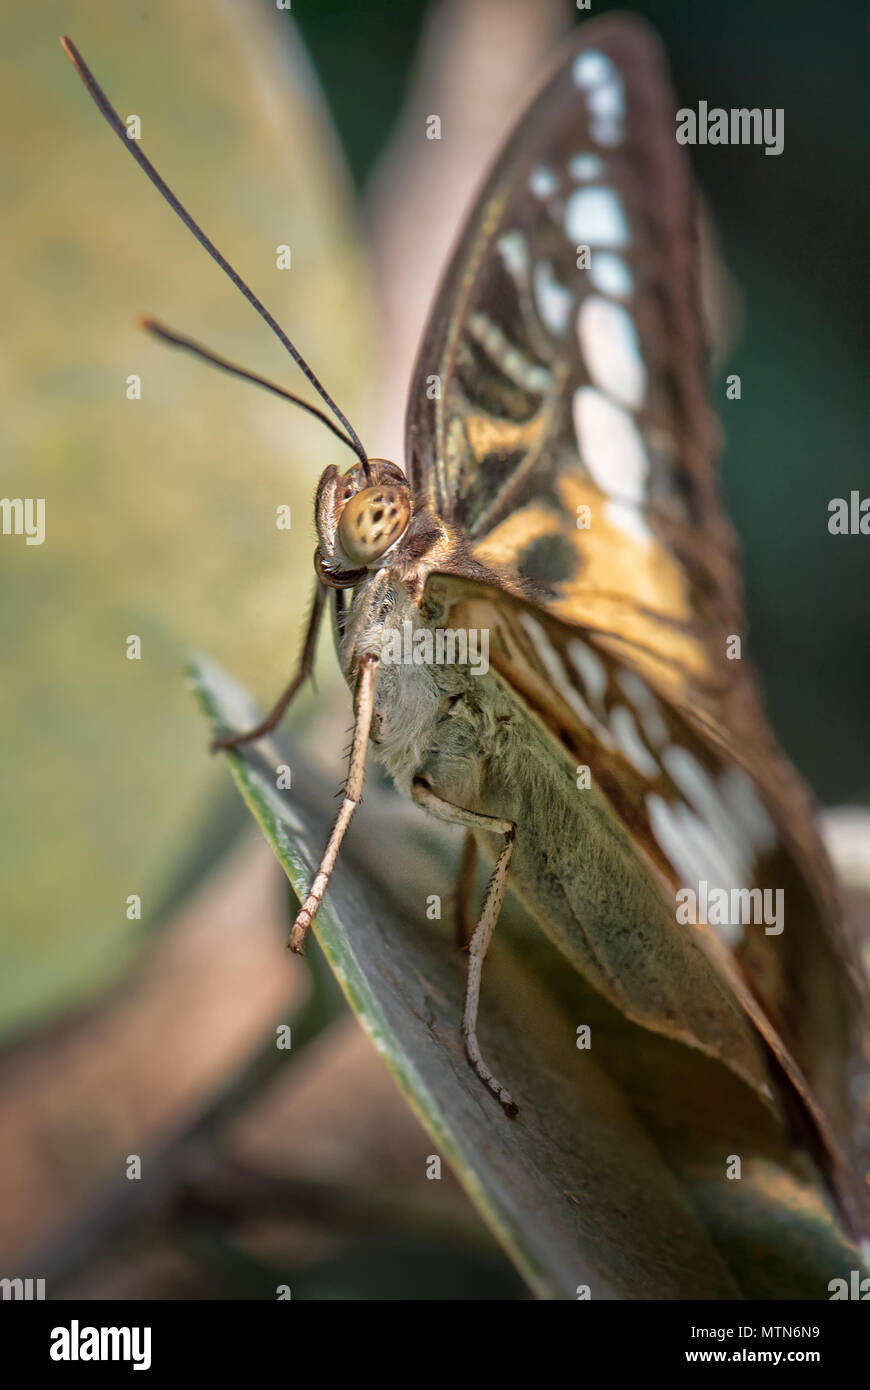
(559, 495)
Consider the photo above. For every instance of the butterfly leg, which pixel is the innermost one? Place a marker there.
(303, 671)
(482, 935)
(464, 889)
(365, 703)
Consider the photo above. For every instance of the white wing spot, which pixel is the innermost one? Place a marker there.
(610, 274)
(646, 706)
(692, 851)
(595, 74)
(584, 167)
(608, 341)
(607, 131)
(740, 796)
(630, 743)
(591, 669)
(593, 68)
(607, 101)
(551, 662)
(511, 361)
(543, 182)
(553, 300)
(699, 789)
(595, 217)
(515, 253)
(666, 826)
(610, 445)
(628, 519)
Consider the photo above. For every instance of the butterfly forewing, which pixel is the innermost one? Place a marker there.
(571, 365)
(559, 415)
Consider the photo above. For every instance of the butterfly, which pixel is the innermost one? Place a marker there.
(559, 500)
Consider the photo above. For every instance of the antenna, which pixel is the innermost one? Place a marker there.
(180, 340)
(100, 99)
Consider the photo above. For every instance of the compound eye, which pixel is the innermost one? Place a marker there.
(371, 521)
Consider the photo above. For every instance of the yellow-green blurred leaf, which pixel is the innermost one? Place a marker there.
(160, 513)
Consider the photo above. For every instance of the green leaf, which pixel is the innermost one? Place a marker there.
(613, 1175)
(160, 513)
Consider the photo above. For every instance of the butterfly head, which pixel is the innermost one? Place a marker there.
(360, 517)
